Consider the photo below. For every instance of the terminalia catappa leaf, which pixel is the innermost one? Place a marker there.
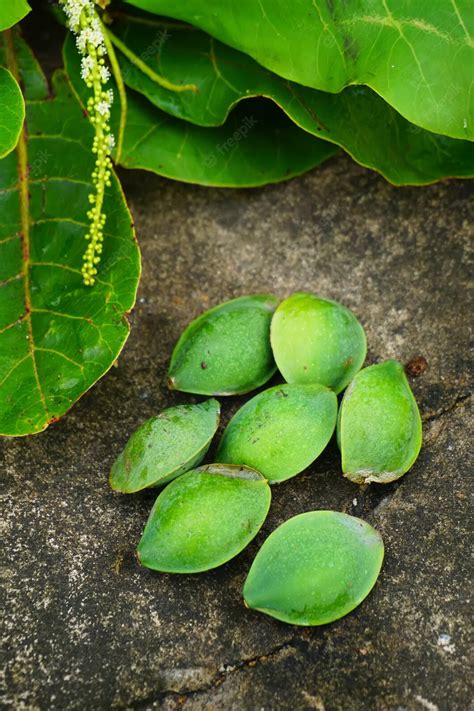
(417, 56)
(57, 336)
(257, 144)
(357, 119)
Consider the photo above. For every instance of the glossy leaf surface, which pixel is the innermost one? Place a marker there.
(281, 430)
(12, 112)
(57, 337)
(204, 518)
(315, 568)
(256, 145)
(417, 56)
(11, 12)
(357, 119)
(379, 427)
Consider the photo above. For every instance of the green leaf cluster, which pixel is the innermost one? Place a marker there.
(389, 85)
(417, 56)
(233, 94)
(255, 146)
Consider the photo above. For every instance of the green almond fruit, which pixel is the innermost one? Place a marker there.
(316, 340)
(226, 350)
(315, 568)
(165, 446)
(204, 518)
(280, 431)
(379, 425)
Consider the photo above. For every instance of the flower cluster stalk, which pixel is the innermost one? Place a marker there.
(84, 22)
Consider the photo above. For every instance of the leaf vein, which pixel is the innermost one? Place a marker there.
(24, 198)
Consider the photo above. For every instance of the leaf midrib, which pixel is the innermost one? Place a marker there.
(24, 202)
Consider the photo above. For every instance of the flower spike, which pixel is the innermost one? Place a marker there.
(84, 22)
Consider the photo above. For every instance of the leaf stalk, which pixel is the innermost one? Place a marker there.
(140, 64)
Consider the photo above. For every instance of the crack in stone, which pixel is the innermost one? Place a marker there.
(374, 496)
(432, 416)
(218, 678)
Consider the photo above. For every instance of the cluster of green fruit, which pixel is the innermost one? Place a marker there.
(318, 566)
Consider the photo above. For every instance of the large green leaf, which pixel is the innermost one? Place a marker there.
(12, 112)
(417, 55)
(257, 144)
(11, 12)
(357, 119)
(57, 336)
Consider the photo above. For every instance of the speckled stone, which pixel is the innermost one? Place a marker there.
(87, 628)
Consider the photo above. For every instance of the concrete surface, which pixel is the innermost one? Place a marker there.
(87, 628)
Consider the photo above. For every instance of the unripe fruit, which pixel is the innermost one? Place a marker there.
(226, 350)
(379, 425)
(315, 568)
(316, 340)
(204, 518)
(280, 431)
(165, 446)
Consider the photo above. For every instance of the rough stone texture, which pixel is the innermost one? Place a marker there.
(87, 628)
